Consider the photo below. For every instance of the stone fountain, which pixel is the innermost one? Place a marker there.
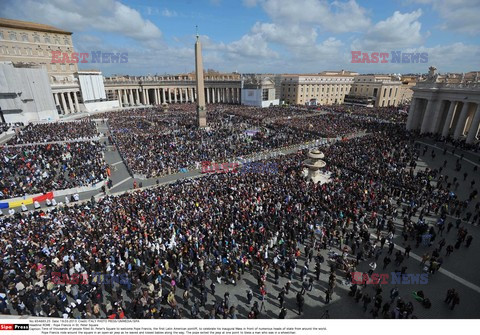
(314, 167)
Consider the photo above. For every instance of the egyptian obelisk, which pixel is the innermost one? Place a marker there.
(201, 111)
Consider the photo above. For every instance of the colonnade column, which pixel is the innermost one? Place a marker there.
(70, 103)
(125, 98)
(64, 104)
(448, 121)
(55, 97)
(119, 97)
(461, 122)
(77, 106)
(411, 114)
(136, 96)
(427, 116)
(132, 102)
(437, 117)
(147, 96)
(472, 132)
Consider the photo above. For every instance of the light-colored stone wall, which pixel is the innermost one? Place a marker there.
(22, 46)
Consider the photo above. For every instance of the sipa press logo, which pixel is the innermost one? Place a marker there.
(18, 326)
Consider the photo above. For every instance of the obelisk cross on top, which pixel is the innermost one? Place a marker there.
(201, 111)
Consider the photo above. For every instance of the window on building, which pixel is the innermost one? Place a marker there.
(390, 94)
(53, 67)
(2, 50)
(24, 38)
(12, 36)
(47, 39)
(265, 94)
(1, 35)
(64, 67)
(72, 67)
(57, 41)
(36, 39)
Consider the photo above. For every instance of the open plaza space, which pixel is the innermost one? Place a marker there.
(241, 167)
(244, 245)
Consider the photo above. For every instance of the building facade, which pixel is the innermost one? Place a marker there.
(447, 105)
(259, 91)
(380, 90)
(29, 44)
(325, 88)
(156, 90)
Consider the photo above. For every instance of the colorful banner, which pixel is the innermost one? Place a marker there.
(44, 197)
(18, 203)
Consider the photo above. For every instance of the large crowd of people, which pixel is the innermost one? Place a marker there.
(34, 169)
(154, 143)
(55, 131)
(270, 113)
(271, 232)
(327, 125)
(392, 114)
(160, 144)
